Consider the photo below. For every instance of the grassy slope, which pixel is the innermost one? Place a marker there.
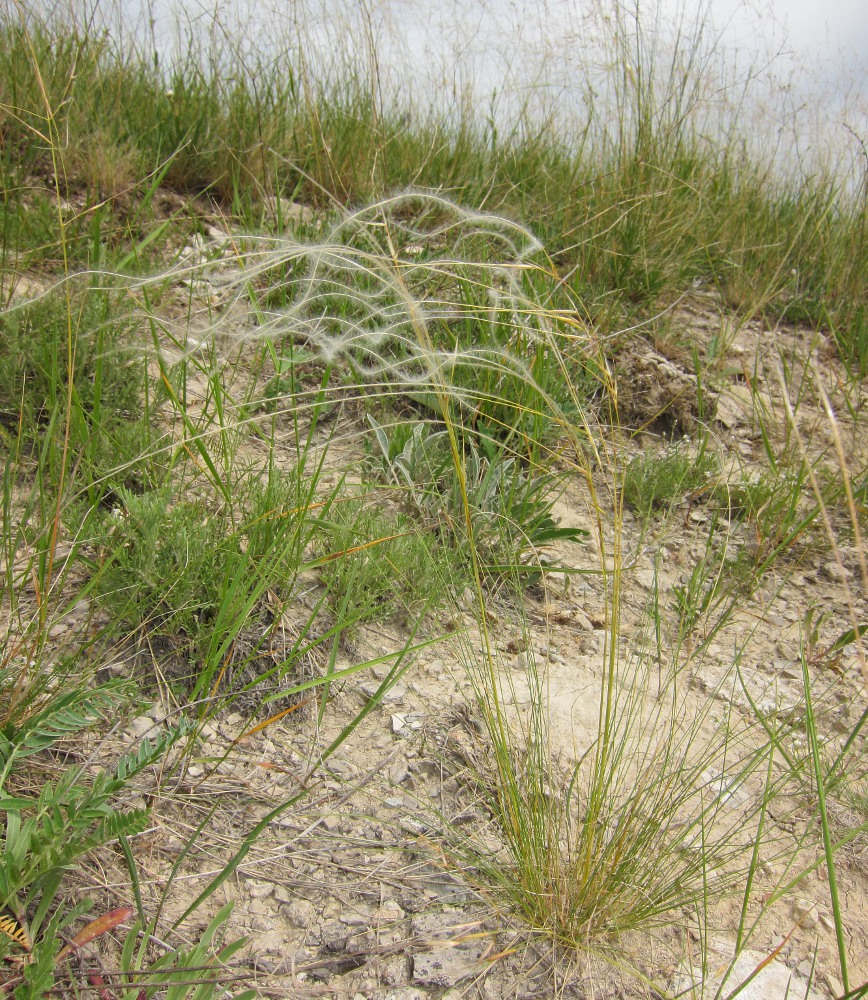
(632, 220)
(110, 455)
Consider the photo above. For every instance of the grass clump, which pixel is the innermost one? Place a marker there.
(43, 343)
(657, 480)
(167, 562)
(371, 560)
(663, 802)
(170, 561)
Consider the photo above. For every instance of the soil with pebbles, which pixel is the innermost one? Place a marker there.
(349, 893)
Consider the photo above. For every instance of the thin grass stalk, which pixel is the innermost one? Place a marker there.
(820, 788)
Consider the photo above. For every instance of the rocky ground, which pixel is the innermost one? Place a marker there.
(356, 890)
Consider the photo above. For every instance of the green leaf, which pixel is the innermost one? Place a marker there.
(851, 635)
(10, 804)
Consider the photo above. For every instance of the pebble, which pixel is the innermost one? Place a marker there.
(140, 726)
(334, 936)
(835, 572)
(282, 894)
(804, 911)
(835, 986)
(390, 910)
(301, 912)
(393, 696)
(403, 724)
(399, 774)
(412, 826)
(258, 890)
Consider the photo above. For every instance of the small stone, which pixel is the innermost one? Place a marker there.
(835, 986)
(195, 770)
(282, 894)
(804, 911)
(412, 826)
(394, 802)
(762, 979)
(835, 572)
(446, 964)
(332, 821)
(394, 972)
(301, 912)
(140, 726)
(390, 911)
(392, 696)
(399, 774)
(805, 968)
(334, 936)
(826, 920)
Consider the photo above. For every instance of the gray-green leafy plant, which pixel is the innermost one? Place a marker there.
(510, 508)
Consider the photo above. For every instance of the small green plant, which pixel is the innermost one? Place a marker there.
(510, 511)
(376, 563)
(166, 562)
(775, 506)
(49, 833)
(655, 480)
(413, 457)
(198, 972)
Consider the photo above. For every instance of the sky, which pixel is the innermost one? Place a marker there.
(832, 26)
